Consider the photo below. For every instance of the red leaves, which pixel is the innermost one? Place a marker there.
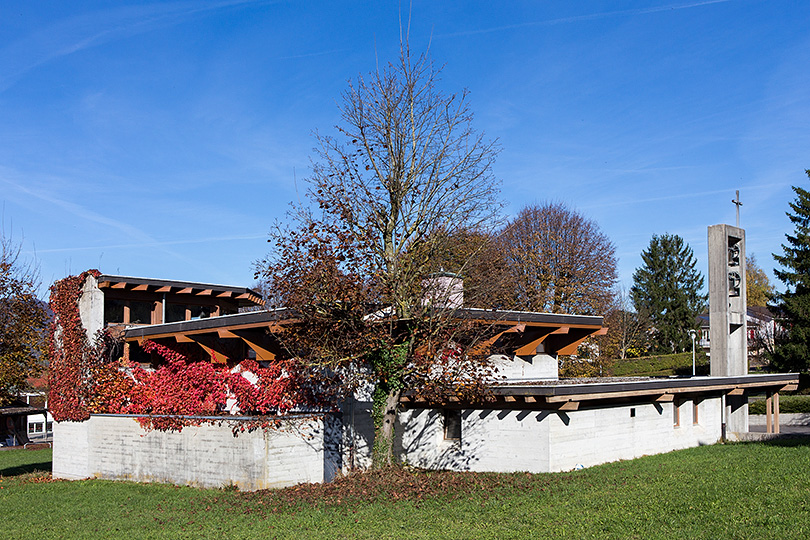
(83, 380)
(69, 352)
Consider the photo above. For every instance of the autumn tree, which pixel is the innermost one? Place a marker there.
(792, 347)
(404, 173)
(558, 261)
(627, 329)
(22, 321)
(668, 288)
(759, 289)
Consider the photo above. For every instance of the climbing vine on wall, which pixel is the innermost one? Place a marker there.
(186, 388)
(70, 353)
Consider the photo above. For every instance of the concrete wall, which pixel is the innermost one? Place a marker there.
(116, 447)
(91, 307)
(538, 367)
(785, 419)
(549, 441)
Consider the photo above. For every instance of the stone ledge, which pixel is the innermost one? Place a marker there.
(785, 419)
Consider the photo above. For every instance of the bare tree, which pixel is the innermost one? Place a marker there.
(627, 330)
(404, 173)
(559, 261)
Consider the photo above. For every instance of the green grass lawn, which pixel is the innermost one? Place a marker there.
(663, 365)
(787, 404)
(750, 490)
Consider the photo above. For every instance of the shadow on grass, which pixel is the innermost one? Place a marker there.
(44, 466)
(789, 440)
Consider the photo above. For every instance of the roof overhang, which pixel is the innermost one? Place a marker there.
(507, 332)
(241, 295)
(570, 395)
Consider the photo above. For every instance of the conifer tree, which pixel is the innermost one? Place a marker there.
(792, 347)
(667, 289)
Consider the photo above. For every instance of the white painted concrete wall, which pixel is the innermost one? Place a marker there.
(116, 447)
(526, 368)
(548, 441)
(91, 307)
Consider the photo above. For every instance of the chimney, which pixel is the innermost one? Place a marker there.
(443, 289)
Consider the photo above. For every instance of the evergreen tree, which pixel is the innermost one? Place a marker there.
(667, 289)
(792, 347)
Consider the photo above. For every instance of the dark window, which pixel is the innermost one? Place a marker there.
(113, 311)
(200, 312)
(140, 356)
(452, 425)
(140, 312)
(175, 312)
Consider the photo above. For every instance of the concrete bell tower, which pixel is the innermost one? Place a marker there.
(727, 309)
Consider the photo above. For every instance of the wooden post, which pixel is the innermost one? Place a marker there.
(768, 406)
(776, 412)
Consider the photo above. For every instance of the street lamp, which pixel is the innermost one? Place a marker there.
(692, 335)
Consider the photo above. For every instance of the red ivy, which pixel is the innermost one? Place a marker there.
(69, 352)
(83, 380)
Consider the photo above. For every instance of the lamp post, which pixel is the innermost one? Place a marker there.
(692, 335)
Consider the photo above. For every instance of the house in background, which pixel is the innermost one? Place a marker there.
(761, 326)
(14, 422)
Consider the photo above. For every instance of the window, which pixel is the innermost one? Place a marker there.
(140, 312)
(49, 426)
(113, 311)
(175, 312)
(695, 417)
(676, 413)
(200, 312)
(35, 427)
(452, 425)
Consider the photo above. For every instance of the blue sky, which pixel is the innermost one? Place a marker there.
(164, 139)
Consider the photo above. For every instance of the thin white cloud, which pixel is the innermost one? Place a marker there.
(156, 243)
(682, 195)
(588, 17)
(93, 29)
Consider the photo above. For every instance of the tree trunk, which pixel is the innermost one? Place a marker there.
(384, 434)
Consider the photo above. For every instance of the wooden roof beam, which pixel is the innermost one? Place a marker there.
(165, 289)
(265, 347)
(142, 287)
(483, 346)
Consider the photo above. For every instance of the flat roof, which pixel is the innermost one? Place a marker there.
(211, 324)
(242, 294)
(567, 394)
(509, 316)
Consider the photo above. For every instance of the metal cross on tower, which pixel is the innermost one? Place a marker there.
(738, 203)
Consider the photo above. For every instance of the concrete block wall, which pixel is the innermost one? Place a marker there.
(551, 441)
(491, 440)
(538, 367)
(601, 435)
(117, 447)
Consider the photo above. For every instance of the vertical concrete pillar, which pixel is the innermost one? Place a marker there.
(727, 309)
(91, 307)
